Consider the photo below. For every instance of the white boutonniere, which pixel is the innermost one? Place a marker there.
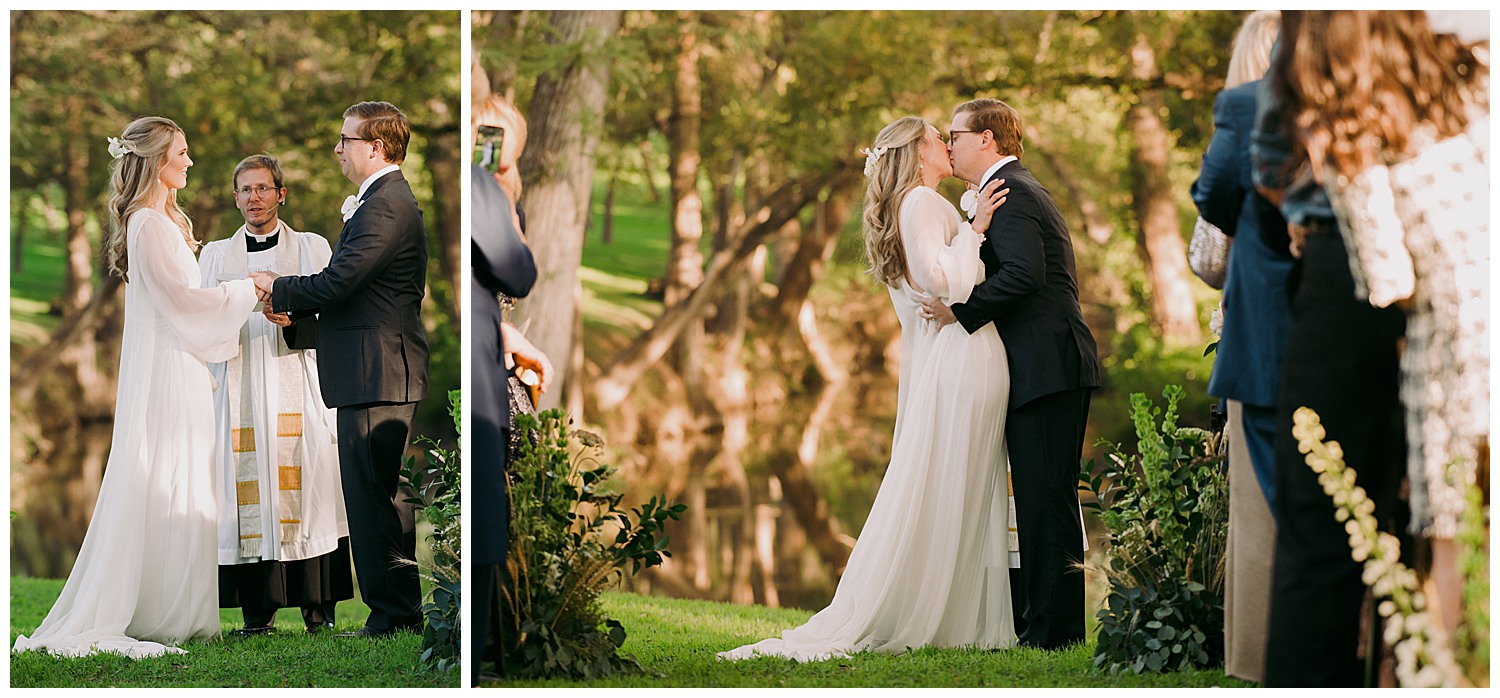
(351, 205)
(969, 202)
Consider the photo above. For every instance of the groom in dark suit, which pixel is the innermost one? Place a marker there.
(1031, 294)
(373, 354)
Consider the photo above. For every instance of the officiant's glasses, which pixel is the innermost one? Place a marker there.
(248, 191)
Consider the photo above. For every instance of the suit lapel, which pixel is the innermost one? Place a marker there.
(392, 176)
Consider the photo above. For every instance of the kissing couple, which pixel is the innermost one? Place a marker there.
(147, 576)
(997, 370)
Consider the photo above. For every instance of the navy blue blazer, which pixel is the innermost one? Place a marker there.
(1252, 344)
(500, 263)
(1031, 294)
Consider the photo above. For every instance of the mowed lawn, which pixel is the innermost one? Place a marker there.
(676, 640)
(288, 657)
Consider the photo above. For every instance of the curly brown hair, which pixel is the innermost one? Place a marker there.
(1366, 79)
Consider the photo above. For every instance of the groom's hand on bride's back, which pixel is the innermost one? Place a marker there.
(935, 309)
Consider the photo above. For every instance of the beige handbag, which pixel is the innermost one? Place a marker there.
(1208, 253)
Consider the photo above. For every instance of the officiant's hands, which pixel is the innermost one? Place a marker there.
(934, 309)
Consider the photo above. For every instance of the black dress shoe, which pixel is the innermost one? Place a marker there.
(317, 628)
(252, 631)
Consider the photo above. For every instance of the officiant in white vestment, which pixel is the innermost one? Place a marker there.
(283, 532)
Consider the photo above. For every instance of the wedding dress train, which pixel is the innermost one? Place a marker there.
(146, 577)
(931, 567)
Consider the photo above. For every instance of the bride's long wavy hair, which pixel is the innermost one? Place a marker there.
(895, 174)
(135, 182)
(1367, 79)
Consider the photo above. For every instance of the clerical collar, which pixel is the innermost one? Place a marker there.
(261, 243)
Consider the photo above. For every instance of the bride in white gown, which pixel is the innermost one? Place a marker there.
(146, 578)
(931, 567)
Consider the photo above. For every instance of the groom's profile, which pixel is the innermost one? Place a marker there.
(369, 329)
(1030, 292)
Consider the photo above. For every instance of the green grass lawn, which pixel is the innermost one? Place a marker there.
(288, 657)
(675, 641)
(33, 289)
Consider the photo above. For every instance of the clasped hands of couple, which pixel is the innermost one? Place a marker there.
(263, 281)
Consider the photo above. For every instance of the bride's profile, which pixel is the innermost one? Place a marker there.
(146, 578)
(931, 566)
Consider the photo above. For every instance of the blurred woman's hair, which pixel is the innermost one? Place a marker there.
(1251, 56)
(1366, 80)
(496, 111)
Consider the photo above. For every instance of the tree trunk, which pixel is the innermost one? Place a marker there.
(647, 348)
(653, 193)
(685, 259)
(607, 228)
(80, 358)
(445, 213)
(565, 118)
(1160, 241)
(18, 239)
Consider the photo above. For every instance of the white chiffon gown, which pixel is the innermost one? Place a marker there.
(146, 578)
(931, 567)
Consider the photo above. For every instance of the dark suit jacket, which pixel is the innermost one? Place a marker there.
(371, 347)
(500, 263)
(1031, 294)
(1257, 316)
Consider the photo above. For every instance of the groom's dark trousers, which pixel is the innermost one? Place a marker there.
(372, 361)
(1030, 292)
(1045, 437)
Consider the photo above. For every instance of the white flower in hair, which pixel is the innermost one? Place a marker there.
(118, 149)
(872, 157)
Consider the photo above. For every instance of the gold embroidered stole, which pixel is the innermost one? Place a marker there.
(244, 383)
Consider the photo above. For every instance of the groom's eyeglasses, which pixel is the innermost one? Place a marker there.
(344, 140)
(954, 134)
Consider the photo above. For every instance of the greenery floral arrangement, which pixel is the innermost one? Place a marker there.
(569, 541)
(1424, 655)
(437, 499)
(1166, 509)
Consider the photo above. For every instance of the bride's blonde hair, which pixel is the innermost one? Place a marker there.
(135, 181)
(895, 174)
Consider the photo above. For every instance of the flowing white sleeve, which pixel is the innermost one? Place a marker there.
(206, 320)
(942, 254)
(210, 261)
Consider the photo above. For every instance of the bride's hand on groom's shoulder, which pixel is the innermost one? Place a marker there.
(990, 199)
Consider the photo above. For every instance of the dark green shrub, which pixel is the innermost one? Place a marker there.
(570, 540)
(437, 499)
(1166, 508)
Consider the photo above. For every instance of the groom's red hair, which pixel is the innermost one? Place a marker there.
(998, 118)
